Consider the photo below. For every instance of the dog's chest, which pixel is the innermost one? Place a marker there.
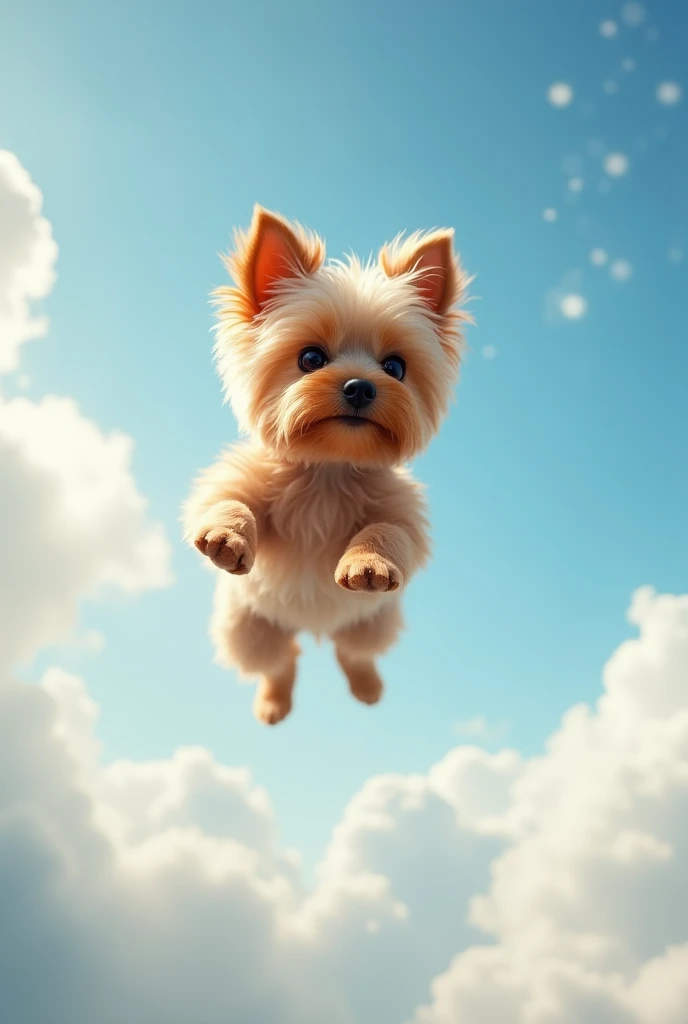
(318, 510)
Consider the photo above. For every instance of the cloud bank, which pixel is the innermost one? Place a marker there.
(532, 890)
(73, 519)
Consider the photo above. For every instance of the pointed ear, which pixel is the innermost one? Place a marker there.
(272, 251)
(431, 261)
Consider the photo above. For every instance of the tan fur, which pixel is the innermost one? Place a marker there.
(313, 521)
(358, 645)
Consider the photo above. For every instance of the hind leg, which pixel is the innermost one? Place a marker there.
(256, 646)
(357, 647)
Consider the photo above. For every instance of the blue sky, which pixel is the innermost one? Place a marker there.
(558, 485)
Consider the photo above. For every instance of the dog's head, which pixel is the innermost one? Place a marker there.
(339, 362)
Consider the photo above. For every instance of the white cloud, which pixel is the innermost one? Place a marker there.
(598, 257)
(609, 28)
(583, 910)
(159, 888)
(616, 164)
(573, 306)
(633, 14)
(550, 215)
(560, 94)
(489, 352)
(73, 518)
(610, 86)
(576, 184)
(538, 891)
(74, 521)
(27, 259)
(628, 64)
(661, 989)
(669, 93)
(621, 270)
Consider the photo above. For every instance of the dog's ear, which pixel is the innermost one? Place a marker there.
(271, 252)
(432, 264)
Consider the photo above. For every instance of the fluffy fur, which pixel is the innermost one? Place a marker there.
(313, 522)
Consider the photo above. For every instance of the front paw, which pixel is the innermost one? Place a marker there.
(227, 549)
(368, 572)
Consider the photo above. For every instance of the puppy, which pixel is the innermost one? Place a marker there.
(338, 373)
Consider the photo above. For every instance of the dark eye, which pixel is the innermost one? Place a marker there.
(395, 367)
(312, 359)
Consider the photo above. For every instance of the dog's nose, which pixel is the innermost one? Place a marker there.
(359, 393)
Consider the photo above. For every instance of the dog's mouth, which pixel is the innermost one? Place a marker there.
(373, 437)
(354, 421)
(358, 422)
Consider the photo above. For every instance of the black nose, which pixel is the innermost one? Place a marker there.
(359, 393)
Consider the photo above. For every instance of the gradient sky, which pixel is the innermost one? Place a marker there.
(559, 483)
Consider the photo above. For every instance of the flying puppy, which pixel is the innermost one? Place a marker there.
(338, 373)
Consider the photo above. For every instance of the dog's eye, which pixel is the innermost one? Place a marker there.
(395, 367)
(312, 359)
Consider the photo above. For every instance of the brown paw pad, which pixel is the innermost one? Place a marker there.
(370, 573)
(227, 550)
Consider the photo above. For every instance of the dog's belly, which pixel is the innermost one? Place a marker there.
(296, 591)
